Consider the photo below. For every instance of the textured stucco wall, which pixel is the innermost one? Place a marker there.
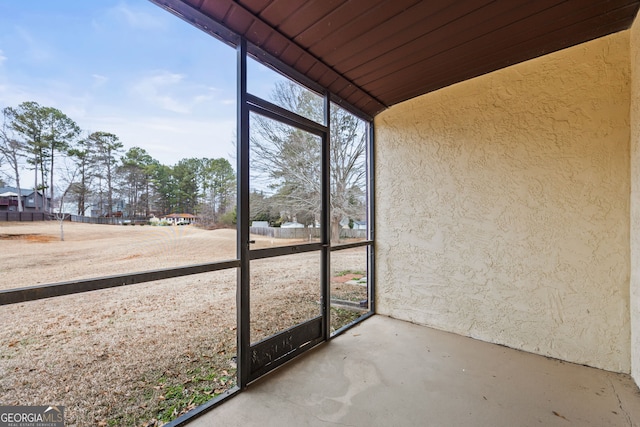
(635, 200)
(502, 206)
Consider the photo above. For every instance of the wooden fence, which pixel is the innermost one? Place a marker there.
(95, 220)
(43, 216)
(23, 216)
(275, 232)
(304, 233)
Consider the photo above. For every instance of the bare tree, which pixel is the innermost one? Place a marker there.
(13, 152)
(290, 159)
(69, 180)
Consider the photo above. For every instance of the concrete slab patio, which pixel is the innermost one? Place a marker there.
(387, 372)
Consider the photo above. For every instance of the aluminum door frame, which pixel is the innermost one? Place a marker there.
(257, 359)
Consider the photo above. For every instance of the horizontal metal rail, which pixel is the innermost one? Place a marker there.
(275, 112)
(340, 247)
(298, 249)
(51, 290)
(283, 250)
(32, 293)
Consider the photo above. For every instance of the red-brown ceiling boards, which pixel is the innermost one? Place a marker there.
(376, 53)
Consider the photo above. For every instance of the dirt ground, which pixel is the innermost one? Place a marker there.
(143, 354)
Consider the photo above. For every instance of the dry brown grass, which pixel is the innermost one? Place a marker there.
(119, 356)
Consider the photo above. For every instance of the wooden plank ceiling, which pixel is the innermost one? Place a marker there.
(376, 53)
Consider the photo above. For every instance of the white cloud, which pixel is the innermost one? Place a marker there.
(170, 141)
(12, 94)
(171, 104)
(199, 99)
(156, 89)
(138, 19)
(173, 92)
(36, 50)
(99, 80)
(2, 57)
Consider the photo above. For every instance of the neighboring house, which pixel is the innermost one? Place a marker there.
(260, 224)
(180, 219)
(292, 225)
(359, 225)
(31, 200)
(354, 225)
(8, 201)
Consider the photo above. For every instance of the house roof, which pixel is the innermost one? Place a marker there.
(180, 215)
(375, 53)
(23, 192)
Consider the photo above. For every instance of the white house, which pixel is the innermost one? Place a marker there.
(292, 224)
(359, 225)
(180, 219)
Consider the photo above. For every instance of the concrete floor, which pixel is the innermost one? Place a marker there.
(386, 372)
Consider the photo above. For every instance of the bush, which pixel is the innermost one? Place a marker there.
(230, 218)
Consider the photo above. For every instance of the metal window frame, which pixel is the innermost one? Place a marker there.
(259, 358)
(246, 104)
(242, 221)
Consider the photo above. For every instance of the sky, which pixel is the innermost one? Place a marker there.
(126, 67)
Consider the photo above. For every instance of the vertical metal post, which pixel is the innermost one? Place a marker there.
(326, 220)
(371, 274)
(242, 222)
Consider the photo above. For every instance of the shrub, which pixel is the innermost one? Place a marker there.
(229, 218)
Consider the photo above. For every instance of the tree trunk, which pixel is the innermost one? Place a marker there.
(20, 208)
(109, 189)
(35, 188)
(335, 230)
(51, 180)
(44, 181)
(61, 219)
